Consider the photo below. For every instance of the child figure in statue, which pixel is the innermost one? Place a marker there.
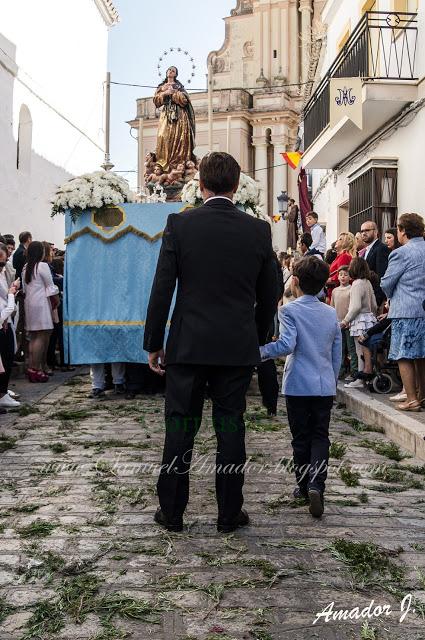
(150, 162)
(158, 176)
(176, 175)
(191, 171)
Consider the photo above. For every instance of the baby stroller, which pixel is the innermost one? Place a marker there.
(386, 373)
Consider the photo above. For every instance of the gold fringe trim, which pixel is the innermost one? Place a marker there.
(118, 235)
(109, 323)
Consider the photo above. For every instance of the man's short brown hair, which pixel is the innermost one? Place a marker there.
(219, 172)
(312, 274)
(412, 224)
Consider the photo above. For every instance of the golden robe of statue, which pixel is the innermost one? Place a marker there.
(176, 130)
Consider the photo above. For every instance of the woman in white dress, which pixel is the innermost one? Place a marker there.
(40, 296)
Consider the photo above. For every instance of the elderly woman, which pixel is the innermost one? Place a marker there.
(404, 284)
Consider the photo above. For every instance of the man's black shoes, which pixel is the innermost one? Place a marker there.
(317, 503)
(161, 519)
(241, 520)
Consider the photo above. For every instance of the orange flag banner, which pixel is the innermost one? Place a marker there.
(293, 158)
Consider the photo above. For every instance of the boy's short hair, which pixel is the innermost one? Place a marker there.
(344, 267)
(312, 214)
(312, 275)
(306, 239)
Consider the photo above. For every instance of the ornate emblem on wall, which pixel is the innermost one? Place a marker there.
(248, 49)
(221, 64)
(345, 98)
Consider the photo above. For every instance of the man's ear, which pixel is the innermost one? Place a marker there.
(201, 185)
(235, 188)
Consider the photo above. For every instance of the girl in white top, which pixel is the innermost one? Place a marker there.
(38, 288)
(361, 316)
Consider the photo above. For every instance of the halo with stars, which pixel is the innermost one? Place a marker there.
(173, 50)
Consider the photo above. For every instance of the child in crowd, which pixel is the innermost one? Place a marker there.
(361, 316)
(311, 338)
(340, 302)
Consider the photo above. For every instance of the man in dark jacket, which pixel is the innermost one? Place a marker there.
(19, 257)
(376, 255)
(223, 261)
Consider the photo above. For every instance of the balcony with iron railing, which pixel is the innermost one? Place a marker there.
(381, 49)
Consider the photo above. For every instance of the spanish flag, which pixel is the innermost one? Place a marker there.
(293, 158)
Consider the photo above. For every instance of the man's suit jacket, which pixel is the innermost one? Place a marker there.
(223, 261)
(18, 260)
(377, 260)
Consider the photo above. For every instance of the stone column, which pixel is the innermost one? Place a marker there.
(294, 44)
(280, 183)
(261, 171)
(306, 11)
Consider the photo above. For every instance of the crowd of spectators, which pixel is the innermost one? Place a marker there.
(378, 290)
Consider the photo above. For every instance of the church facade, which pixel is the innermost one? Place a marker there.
(258, 93)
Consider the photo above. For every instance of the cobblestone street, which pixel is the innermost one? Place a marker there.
(82, 559)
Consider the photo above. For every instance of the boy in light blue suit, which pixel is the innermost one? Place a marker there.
(310, 337)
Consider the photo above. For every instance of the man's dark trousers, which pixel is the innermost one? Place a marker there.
(184, 401)
(309, 418)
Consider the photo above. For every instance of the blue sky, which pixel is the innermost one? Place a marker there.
(145, 31)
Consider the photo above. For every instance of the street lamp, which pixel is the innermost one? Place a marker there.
(282, 201)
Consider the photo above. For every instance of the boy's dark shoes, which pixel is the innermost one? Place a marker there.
(301, 494)
(271, 412)
(119, 389)
(162, 520)
(317, 503)
(241, 520)
(130, 396)
(97, 394)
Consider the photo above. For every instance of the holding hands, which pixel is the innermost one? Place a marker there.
(14, 287)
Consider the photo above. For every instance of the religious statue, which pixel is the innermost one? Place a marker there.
(157, 177)
(293, 214)
(176, 176)
(176, 130)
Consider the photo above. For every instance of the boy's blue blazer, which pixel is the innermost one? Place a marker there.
(311, 338)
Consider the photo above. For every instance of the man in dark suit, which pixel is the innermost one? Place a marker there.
(19, 257)
(376, 255)
(223, 261)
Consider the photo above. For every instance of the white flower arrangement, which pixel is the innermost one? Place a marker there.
(91, 190)
(158, 195)
(247, 195)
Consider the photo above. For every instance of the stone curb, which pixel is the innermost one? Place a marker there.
(399, 427)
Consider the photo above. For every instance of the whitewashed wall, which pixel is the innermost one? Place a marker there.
(60, 49)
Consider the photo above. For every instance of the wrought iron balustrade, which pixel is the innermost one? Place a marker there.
(381, 47)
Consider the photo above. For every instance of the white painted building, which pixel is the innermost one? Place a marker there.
(53, 57)
(376, 171)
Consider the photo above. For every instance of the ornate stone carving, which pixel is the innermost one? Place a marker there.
(243, 7)
(248, 49)
(221, 64)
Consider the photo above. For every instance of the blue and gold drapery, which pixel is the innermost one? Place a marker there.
(110, 264)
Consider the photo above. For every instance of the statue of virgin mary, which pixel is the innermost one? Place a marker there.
(176, 130)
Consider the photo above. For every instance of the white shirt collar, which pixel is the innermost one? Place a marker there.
(218, 198)
(370, 247)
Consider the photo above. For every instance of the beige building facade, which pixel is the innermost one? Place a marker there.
(257, 78)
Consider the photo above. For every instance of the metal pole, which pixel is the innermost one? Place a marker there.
(210, 107)
(107, 164)
(141, 156)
